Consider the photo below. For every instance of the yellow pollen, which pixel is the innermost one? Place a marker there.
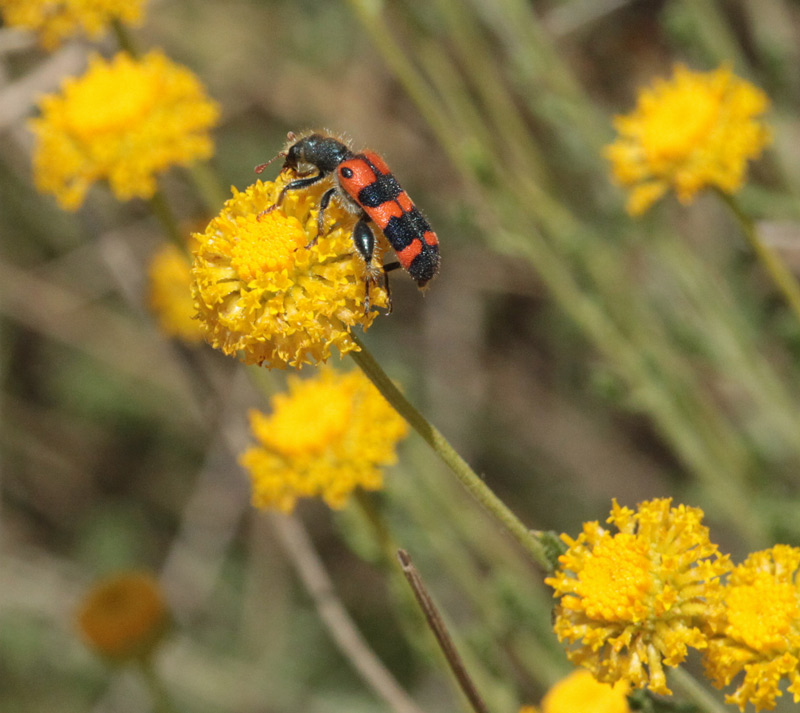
(309, 422)
(615, 578)
(266, 243)
(89, 111)
(763, 613)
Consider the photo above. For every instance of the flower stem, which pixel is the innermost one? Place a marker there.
(468, 477)
(162, 703)
(208, 185)
(162, 210)
(124, 38)
(780, 274)
(377, 523)
(697, 694)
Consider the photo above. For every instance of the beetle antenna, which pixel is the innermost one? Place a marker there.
(262, 166)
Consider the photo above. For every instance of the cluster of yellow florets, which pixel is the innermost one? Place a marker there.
(696, 130)
(635, 600)
(269, 289)
(124, 121)
(56, 20)
(328, 436)
(759, 635)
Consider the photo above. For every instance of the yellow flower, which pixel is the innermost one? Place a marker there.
(580, 691)
(760, 633)
(265, 289)
(123, 618)
(695, 130)
(55, 20)
(124, 121)
(635, 600)
(326, 437)
(170, 294)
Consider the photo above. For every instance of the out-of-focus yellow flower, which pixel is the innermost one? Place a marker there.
(327, 436)
(55, 20)
(580, 692)
(266, 290)
(170, 294)
(695, 130)
(124, 121)
(635, 600)
(123, 618)
(760, 633)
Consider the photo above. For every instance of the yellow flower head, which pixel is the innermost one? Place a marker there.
(581, 691)
(326, 437)
(124, 121)
(695, 130)
(266, 287)
(123, 618)
(170, 295)
(55, 20)
(760, 632)
(634, 600)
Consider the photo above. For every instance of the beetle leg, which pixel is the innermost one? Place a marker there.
(386, 270)
(364, 240)
(293, 186)
(324, 202)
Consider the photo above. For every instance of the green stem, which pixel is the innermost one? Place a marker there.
(162, 703)
(468, 477)
(377, 524)
(124, 39)
(697, 694)
(783, 278)
(208, 185)
(164, 213)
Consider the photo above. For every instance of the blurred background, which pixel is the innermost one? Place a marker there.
(570, 353)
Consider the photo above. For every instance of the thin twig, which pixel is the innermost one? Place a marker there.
(437, 625)
(348, 638)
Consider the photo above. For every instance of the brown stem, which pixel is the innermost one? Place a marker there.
(437, 625)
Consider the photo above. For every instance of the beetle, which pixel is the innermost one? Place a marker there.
(363, 184)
